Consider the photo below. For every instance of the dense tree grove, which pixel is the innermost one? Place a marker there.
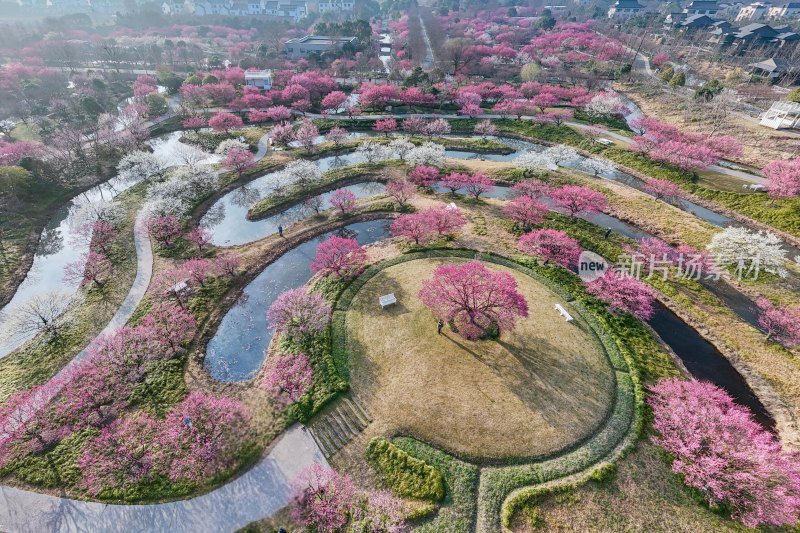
(722, 452)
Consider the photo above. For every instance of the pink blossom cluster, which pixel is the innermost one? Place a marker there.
(428, 224)
(719, 449)
(474, 298)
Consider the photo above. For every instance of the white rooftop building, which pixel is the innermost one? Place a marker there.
(259, 78)
(782, 115)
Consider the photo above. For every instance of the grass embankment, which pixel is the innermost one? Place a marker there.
(39, 360)
(543, 386)
(332, 179)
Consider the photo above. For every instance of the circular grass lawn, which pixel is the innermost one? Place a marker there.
(534, 391)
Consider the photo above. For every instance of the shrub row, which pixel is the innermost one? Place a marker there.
(404, 474)
(458, 509)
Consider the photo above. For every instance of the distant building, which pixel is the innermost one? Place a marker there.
(294, 9)
(622, 9)
(771, 68)
(782, 115)
(754, 11)
(336, 6)
(787, 10)
(694, 23)
(259, 78)
(702, 7)
(310, 44)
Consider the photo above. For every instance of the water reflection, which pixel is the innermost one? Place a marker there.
(236, 351)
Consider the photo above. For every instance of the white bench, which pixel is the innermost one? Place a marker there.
(606, 142)
(563, 312)
(387, 299)
(753, 187)
(453, 206)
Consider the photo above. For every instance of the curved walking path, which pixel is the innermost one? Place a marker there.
(258, 493)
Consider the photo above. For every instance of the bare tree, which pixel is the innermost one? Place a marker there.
(42, 314)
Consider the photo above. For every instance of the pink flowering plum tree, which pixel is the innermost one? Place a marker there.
(476, 300)
(306, 134)
(333, 101)
(194, 123)
(224, 121)
(783, 178)
(477, 184)
(344, 200)
(123, 455)
(401, 190)
(416, 227)
(424, 175)
(455, 181)
(164, 229)
(337, 136)
(92, 269)
(202, 434)
(340, 257)
(200, 237)
(578, 200)
(444, 219)
(780, 323)
(718, 449)
(551, 245)
(623, 294)
(287, 377)
(532, 188)
(282, 134)
(663, 189)
(26, 423)
(239, 161)
(385, 126)
(525, 211)
(170, 327)
(322, 499)
(299, 314)
(485, 128)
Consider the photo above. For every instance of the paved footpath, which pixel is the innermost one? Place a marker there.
(258, 493)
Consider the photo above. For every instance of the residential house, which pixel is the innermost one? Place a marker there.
(336, 6)
(622, 9)
(754, 11)
(259, 78)
(784, 11)
(293, 9)
(702, 7)
(694, 23)
(772, 68)
(311, 44)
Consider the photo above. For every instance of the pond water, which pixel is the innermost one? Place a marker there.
(226, 234)
(236, 351)
(59, 245)
(169, 149)
(705, 362)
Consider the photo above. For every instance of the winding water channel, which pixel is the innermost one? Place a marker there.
(236, 351)
(61, 241)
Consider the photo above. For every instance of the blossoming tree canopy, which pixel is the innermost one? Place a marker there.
(476, 300)
(721, 451)
(340, 257)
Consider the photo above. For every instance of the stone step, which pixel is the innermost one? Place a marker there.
(363, 411)
(343, 422)
(323, 431)
(323, 448)
(353, 410)
(340, 440)
(354, 429)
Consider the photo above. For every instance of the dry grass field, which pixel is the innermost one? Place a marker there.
(535, 390)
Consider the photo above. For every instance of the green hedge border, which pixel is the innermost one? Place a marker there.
(505, 489)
